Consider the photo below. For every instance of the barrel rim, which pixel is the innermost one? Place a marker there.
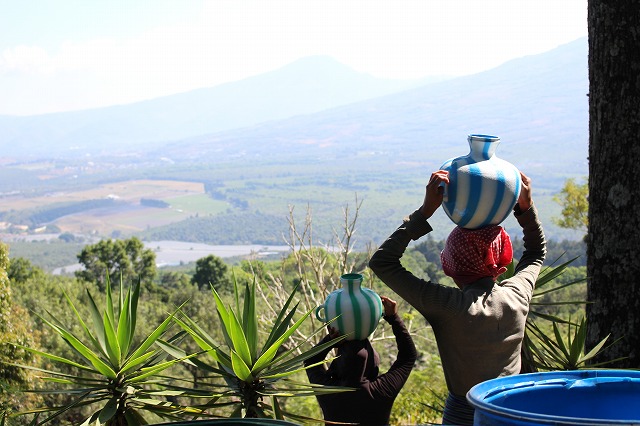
(501, 384)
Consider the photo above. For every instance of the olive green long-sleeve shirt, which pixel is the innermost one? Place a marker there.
(480, 328)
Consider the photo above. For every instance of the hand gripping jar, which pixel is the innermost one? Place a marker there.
(482, 189)
(354, 310)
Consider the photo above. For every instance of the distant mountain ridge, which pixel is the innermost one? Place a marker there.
(380, 149)
(536, 104)
(306, 86)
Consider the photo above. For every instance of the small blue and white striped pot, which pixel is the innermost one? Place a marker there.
(354, 310)
(482, 189)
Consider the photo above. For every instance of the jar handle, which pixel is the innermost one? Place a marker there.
(321, 319)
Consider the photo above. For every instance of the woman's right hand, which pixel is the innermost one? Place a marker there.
(434, 193)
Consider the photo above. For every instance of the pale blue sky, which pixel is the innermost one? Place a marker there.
(58, 55)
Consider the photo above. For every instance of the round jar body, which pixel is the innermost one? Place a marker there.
(482, 189)
(354, 310)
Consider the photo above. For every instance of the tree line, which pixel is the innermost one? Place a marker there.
(31, 292)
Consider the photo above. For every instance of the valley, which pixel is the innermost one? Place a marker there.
(113, 173)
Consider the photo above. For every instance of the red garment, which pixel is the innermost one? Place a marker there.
(471, 254)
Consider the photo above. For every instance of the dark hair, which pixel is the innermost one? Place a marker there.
(357, 360)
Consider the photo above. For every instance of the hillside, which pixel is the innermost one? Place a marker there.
(306, 86)
(536, 104)
(380, 150)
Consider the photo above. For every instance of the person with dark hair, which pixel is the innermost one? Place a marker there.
(479, 325)
(357, 366)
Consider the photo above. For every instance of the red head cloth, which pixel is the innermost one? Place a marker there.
(471, 254)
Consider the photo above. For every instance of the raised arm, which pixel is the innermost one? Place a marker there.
(390, 383)
(319, 374)
(535, 246)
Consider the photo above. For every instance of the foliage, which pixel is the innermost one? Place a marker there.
(576, 250)
(126, 258)
(242, 227)
(5, 290)
(421, 400)
(252, 372)
(174, 280)
(430, 248)
(48, 213)
(545, 350)
(47, 255)
(150, 202)
(569, 286)
(68, 237)
(20, 270)
(316, 269)
(541, 351)
(121, 379)
(417, 262)
(211, 270)
(310, 271)
(574, 199)
(560, 353)
(14, 333)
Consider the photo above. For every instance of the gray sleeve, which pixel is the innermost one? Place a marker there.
(427, 297)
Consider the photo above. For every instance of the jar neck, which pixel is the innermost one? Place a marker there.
(351, 286)
(482, 148)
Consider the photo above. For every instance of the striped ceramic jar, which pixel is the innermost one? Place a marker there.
(354, 310)
(482, 189)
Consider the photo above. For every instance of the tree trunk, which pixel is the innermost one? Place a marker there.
(613, 253)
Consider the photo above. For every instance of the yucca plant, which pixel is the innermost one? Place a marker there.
(254, 375)
(541, 351)
(560, 353)
(116, 378)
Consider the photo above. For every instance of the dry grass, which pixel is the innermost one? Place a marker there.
(128, 215)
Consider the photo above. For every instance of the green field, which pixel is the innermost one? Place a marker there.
(200, 204)
(235, 204)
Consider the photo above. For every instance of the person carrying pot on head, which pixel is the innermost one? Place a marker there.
(357, 366)
(479, 325)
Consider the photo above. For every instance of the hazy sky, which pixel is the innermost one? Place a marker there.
(58, 55)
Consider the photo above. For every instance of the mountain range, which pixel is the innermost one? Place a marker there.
(317, 108)
(536, 104)
(306, 86)
(311, 133)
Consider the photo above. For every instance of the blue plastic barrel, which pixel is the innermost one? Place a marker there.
(230, 422)
(580, 397)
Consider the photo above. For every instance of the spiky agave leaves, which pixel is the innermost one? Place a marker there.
(558, 352)
(119, 377)
(552, 351)
(255, 375)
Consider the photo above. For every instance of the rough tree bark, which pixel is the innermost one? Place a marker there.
(613, 253)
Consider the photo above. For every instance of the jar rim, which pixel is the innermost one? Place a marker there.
(485, 138)
(351, 276)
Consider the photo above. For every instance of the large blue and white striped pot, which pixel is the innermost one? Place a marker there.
(354, 310)
(482, 189)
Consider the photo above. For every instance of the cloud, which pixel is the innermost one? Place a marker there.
(26, 59)
(231, 40)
